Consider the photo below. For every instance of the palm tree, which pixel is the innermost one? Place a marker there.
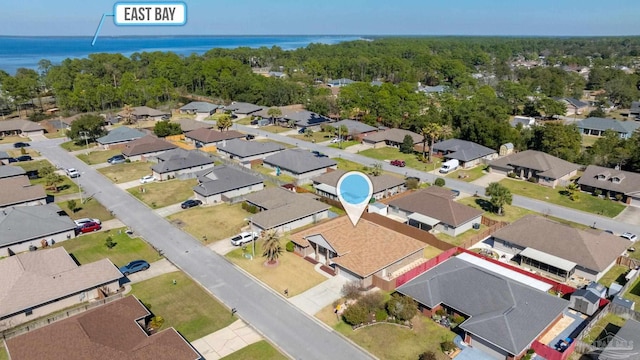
(308, 133)
(224, 122)
(445, 132)
(273, 113)
(430, 131)
(572, 190)
(500, 196)
(271, 248)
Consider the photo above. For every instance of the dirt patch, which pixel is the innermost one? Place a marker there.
(178, 223)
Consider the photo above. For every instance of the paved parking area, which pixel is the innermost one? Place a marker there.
(320, 296)
(630, 215)
(226, 341)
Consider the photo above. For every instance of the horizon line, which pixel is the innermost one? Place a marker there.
(314, 35)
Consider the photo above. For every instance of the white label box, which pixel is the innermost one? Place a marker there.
(149, 13)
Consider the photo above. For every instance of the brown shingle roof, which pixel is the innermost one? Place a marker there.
(19, 124)
(18, 189)
(629, 181)
(438, 207)
(546, 165)
(589, 249)
(189, 124)
(208, 136)
(394, 135)
(146, 145)
(106, 332)
(362, 249)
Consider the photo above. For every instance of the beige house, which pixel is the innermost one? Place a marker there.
(546, 169)
(18, 191)
(20, 127)
(358, 252)
(146, 147)
(37, 283)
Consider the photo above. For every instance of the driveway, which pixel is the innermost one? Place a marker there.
(129, 184)
(222, 247)
(168, 210)
(157, 268)
(630, 215)
(488, 179)
(226, 341)
(320, 296)
(285, 325)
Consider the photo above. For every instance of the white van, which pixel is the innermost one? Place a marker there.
(449, 166)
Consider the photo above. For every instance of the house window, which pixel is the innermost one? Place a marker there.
(616, 180)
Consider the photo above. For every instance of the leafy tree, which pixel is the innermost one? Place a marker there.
(572, 191)
(597, 112)
(376, 169)
(356, 314)
(72, 205)
(407, 145)
(167, 128)
(551, 108)
(513, 93)
(412, 183)
(274, 113)
(499, 195)
(271, 248)
(224, 122)
(53, 179)
(609, 150)
(308, 133)
(563, 141)
(90, 126)
(372, 301)
(343, 132)
(439, 182)
(109, 243)
(127, 110)
(402, 307)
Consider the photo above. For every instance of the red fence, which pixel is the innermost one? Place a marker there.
(551, 353)
(404, 278)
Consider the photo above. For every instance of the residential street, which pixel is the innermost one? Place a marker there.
(296, 333)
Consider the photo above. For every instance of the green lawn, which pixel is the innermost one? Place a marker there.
(457, 240)
(607, 325)
(185, 306)
(316, 136)
(121, 173)
(67, 186)
(272, 173)
(468, 175)
(633, 293)
(510, 213)
(585, 202)
(348, 165)
(276, 129)
(32, 165)
(55, 135)
(91, 208)
(98, 157)
(345, 144)
(588, 141)
(164, 193)
(215, 222)
(391, 153)
(72, 146)
(261, 350)
(616, 273)
(13, 139)
(3, 352)
(244, 121)
(91, 247)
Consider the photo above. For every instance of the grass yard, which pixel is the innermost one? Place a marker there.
(616, 273)
(215, 222)
(121, 173)
(56, 135)
(585, 202)
(316, 136)
(261, 350)
(608, 324)
(272, 173)
(185, 306)
(391, 342)
(91, 247)
(3, 352)
(431, 252)
(391, 153)
(457, 240)
(293, 272)
(244, 121)
(468, 175)
(18, 152)
(588, 141)
(91, 209)
(633, 293)
(13, 139)
(98, 157)
(164, 193)
(348, 165)
(510, 213)
(32, 165)
(72, 146)
(66, 187)
(276, 129)
(344, 145)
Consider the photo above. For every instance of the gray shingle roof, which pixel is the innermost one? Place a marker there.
(502, 311)
(355, 127)
(221, 179)
(298, 161)
(9, 171)
(120, 134)
(629, 182)
(210, 136)
(438, 207)
(282, 207)
(592, 250)
(243, 108)
(588, 295)
(574, 102)
(380, 183)
(624, 344)
(19, 124)
(23, 223)
(200, 107)
(462, 150)
(303, 118)
(635, 107)
(180, 159)
(393, 135)
(602, 124)
(242, 148)
(546, 165)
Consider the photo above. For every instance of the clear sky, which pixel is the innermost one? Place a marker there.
(357, 17)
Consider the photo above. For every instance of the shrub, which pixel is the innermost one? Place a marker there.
(619, 197)
(439, 182)
(447, 346)
(404, 307)
(533, 180)
(372, 301)
(290, 246)
(23, 151)
(512, 175)
(127, 160)
(72, 205)
(458, 319)
(441, 312)
(355, 314)
(381, 315)
(597, 192)
(351, 291)
(156, 322)
(427, 355)
(412, 183)
(109, 243)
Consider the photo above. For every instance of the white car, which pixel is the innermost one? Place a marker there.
(73, 173)
(335, 140)
(243, 238)
(147, 179)
(80, 222)
(629, 236)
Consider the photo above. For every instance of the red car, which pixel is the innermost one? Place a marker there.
(89, 227)
(399, 163)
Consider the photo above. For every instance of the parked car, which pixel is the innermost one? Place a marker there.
(80, 222)
(12, 160)
(316, 153)
(117, 159)
(134, 267)
(24, 158)
(243, 238)
(250, 137)
(398, 162)
(335, 140)
(629, 236)
(302, 130)
(72, 173)
(147, 179)
(190, 203)
(89, 227)
(20, 145)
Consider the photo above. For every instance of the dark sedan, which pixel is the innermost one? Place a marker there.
(134, 267)
(24, 158)
(190, 203)
(20, 145)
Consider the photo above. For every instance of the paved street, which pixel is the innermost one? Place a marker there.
(295, 332)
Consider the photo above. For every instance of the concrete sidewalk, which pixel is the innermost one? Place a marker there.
(226, 341)
(129, 184)
(168, 210)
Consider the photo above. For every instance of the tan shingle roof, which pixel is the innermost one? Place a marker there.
(106, 332)
(18, 189)
(437, 207)
(592, 250)
(209, 136)
(146, 145)
(546, 165)
(629, 181)
(283, 206)
(33, 278)
(394, 135)
(363, 249)
(19, 124)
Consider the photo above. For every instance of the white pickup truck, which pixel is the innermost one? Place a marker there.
(73, 173)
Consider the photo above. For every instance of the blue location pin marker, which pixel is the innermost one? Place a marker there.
(354, 192)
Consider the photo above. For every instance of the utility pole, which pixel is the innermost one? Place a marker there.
(85, 135)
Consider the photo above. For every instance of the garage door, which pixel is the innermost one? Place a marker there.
(349, 275)
(635, 201)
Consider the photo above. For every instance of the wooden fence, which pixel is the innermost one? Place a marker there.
(493, 226)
